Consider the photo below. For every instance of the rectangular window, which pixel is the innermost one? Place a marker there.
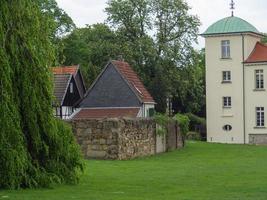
(226, 76)
(225, 45)
(259, 79)
(227, 102)
(260, 116)
(151, 112)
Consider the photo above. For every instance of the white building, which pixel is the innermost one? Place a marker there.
(236, 82)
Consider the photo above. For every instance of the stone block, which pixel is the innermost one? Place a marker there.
(99, 125)
(103, 141)
(104, 147)
(110, 141)
(95, 141)
(96, 154)
(96, 147)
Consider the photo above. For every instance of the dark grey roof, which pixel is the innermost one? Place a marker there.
(61, 83)
(80, 83)
(110, 89)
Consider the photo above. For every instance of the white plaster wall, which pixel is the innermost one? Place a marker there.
(217, 116)
(145, 109)
(65, 111)
(254, 99)
(160, 143)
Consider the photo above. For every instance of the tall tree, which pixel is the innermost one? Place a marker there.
(60, 25)
(91, 47)
(155, 37)
(35, 149)
(189, 93)
(175, 29)
(160, 34)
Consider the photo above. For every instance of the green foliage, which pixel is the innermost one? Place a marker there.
(35, 149)
(195, 120)
(157, 59)
(162, 123)
(91, 47)
(165, 61)
(183, 122)
(189, 93)
(193, 136)
(264, 39)
(60, 24)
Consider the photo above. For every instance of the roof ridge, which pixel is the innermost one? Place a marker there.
(63, 69)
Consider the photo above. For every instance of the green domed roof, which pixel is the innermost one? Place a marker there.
(230, 25)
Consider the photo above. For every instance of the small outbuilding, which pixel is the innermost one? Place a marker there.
(117, 92)
(69, 90)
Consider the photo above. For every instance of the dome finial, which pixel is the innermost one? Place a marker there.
(232, 4)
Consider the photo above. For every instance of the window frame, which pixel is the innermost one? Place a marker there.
(227, 127)
(260, 117)
(227, 102)
(226, 76)
(259, 79)
(225, 49)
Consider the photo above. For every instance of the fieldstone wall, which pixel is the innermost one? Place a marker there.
(122, 138)
(137, 138)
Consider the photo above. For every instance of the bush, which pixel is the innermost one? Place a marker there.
(193, 136)
(183, 122)
(195, 120)
(162, 123)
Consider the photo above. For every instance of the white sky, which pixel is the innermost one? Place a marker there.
(209, 11)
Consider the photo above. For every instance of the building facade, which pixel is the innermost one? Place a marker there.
(116, 92)
(69, 90)
(235, 87)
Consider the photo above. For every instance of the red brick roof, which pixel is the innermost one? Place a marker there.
(259, 54)
(65, 69)
(128, 73)
(86, 113)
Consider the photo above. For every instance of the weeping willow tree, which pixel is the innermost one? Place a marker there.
(36, 150)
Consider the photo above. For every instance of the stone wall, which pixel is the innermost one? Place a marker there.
(174, 139)
(137, 138)
(122, 139)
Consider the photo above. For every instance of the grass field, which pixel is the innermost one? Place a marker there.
(200, 171)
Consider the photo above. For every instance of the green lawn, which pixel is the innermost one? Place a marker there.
(200, 171)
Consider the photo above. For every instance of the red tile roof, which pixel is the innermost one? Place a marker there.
(65, 69)
(259, 54)
(86, 113)
(133, 79)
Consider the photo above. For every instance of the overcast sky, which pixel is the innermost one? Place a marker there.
(209, 11)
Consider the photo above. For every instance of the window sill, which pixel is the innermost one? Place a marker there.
(226, 82)
(226, 58)
(227, 107)
(259, 90)
(230, 115)
(259, 127)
